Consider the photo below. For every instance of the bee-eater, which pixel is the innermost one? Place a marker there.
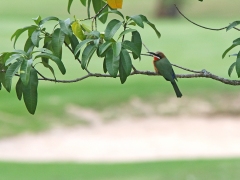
(163, 67)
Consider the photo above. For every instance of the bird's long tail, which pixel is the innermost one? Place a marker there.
(176, 89)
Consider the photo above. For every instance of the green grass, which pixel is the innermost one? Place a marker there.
(165, 170)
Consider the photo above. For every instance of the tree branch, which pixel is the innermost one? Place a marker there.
(197, 74)
(204, 27)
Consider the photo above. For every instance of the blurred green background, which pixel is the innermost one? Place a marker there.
(182, 42)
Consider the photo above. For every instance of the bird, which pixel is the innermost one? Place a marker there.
(163, 67)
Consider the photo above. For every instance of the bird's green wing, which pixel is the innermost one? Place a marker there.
(165, 69)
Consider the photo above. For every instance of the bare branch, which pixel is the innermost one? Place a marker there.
(204, 27)
(198, 74)
(65, 81)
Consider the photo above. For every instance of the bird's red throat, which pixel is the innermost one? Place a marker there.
(155, 58)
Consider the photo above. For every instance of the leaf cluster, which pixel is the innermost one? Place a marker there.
(235, 43)
(117, 46)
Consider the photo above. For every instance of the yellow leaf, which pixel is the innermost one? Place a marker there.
(86, 28)
(115, 4)
(77, 30)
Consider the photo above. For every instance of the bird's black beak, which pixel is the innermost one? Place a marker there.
(152, 53)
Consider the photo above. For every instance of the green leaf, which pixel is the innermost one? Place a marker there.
(37, 20)
(57, 42)
(74, 42)
(233, 54)
(83, 2)
(231, 69)
(103, 48)
(137, 19)
(69, 5)
(93, 35)
(122, 74)
(87, 54)
(50, 18)
(132, 47)
(80, 45)
(233, 25)
(144, 18)
(236, 41)
(30, 94)
(238, 64)
(11, 71)
(2, 79)
(18, 32)
(105, 65)
(137, 41)
(126, 61)
(19, 90)
(88, 8)
(43, 50)
(25, 71)
(114, 12)
(97, 6)
(45, 61)
(48, 42)
(228, 49)
(65, 26)
(45, 64)
(4, 56)
(47, 48)
(125, 65)
(12, 58)
(112, 28)
(112, 63)
(117, 47)
(77, 30)
(67, 40)
(132, 24)
(18, 51)
(29, 46)
(55, 59)
(36, 37)
(126, 32)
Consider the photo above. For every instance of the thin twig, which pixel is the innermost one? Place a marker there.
(204, 27)
(146, 47)
(186, 69)
(96, 15)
